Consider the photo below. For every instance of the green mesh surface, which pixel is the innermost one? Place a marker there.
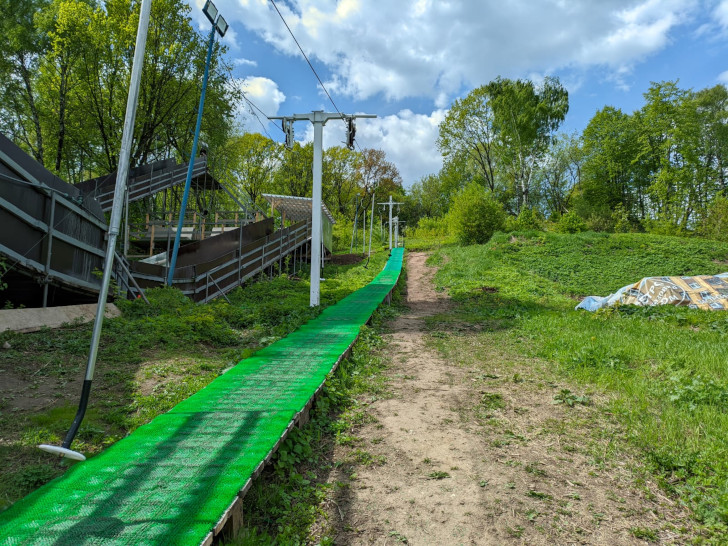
(170, 481)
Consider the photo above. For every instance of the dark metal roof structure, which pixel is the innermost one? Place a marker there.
(296, 208)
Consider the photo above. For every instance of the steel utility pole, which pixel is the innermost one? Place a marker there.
(122, 174)
(391, 206)
(319, 119)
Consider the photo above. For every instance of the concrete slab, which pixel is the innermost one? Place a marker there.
(32, 320)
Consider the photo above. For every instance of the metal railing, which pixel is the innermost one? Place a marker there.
(207, 281)
(61, 245)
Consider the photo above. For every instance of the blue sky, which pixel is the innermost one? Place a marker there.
(407, 60)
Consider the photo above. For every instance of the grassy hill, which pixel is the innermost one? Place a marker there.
(664, 369)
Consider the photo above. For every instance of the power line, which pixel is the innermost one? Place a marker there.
(307, 60)
(343, 117)
(252, 104)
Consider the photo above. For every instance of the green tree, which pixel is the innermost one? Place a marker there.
(251, 162)
(295, 173)
(668, 137)
(22, 45)
(428, 198)
(712, 109)
(376, 174)
(559, 174)
(715, 224)
(340, 168)
(68, 96)
(525, 118)
(609, 176)
(468, 131)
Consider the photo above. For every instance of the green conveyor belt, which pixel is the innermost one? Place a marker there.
(170, 481)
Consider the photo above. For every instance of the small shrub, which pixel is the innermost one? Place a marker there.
(510, 223)
(600, 222)
(620, 217)
(476, 215)
(571, 223)
(570, 399)
(663, 227)
(33, 476)
(696, 391)
(528, 219)
(715, 224)
(643, 533)
(432, 227)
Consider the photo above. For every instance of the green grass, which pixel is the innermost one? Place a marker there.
(150, 359)
(664, 367)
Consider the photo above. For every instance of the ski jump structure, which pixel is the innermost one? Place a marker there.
(53, 235)
(180, 478)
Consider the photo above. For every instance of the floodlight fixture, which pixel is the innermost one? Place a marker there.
(211, 12)
(221, 26)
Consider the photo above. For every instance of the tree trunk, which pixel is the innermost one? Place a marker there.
(38, 150)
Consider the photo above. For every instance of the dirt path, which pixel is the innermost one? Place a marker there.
(474, 451)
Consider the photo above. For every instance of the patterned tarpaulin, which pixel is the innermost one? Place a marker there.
(708, 292)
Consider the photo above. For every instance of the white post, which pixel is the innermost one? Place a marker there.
(390, 222)
(318, 131)
(319, 119)
(371, 225)
(363, 230)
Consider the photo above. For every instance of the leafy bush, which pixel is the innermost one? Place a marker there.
(476, 215)
(600, 222)
(33, 476)
(510, 223)
(528, 219)
(696, 391)
(715, 224)
(622, 223)
(432, 227)
(571, 223)
(663, 227)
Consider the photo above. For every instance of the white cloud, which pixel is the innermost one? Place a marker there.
(433, 49)
(723, 77)
(720, 14)
(240, 61)
(408, 139)
(264, 93)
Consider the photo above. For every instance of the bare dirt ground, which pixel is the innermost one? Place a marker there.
(474, 451)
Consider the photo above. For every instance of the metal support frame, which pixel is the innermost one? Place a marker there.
(319, 119)
(371, 227)
(391, 204)
(49, 248)
(123, 266)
